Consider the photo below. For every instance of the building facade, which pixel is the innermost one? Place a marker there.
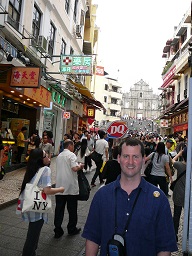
(108, 91)
(176, 75)
(35, 34)
(140, 102)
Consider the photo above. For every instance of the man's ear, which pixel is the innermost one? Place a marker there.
(118, 158)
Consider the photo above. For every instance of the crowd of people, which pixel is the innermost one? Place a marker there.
(152, 228)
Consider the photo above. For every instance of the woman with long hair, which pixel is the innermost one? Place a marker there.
(82, 153)
(37, 159)
(160, 167)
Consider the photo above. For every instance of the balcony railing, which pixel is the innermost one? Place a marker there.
(7, 47)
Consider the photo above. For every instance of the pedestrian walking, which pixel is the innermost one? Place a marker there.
(160, 166)
(21, 143)
(66, 175)
(101, 147)
(179, 189)
(37, 159)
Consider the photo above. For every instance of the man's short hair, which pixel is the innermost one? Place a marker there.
(101, 134)
(67, 142)
(24, 128)
(132, 142)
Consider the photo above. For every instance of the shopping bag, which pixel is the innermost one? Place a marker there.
(102, 167)
(35, 200)
(84, 187)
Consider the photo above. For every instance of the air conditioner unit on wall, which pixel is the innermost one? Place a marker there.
(42, 43)
(78, 31)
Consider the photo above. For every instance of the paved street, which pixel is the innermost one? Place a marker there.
(13, 230)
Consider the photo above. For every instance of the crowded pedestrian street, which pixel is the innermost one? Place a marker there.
(13, 230)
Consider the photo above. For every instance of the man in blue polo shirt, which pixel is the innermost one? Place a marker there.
(150, 231)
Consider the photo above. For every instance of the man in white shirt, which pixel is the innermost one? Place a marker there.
(66, 174)
(101, 147)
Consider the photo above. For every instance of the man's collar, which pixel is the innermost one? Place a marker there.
(142, 185)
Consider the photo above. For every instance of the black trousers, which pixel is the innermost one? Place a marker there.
(20, 151)
(158, 180)
(32, 239)
(61, 201)
(176, 217)
(97, 172)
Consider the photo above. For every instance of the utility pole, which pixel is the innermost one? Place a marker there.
(187, 232)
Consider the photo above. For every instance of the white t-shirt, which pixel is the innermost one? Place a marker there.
(158, 168)
(100, 147)
(65, 176)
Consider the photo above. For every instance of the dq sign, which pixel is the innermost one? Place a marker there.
(117, 129)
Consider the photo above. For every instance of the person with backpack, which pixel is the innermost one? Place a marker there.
(160, 164)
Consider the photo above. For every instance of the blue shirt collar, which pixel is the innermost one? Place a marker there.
(142, 185)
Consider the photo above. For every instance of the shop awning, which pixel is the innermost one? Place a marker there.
(88, 98)
(93, 102)
(169, 111)
(182, 104)
(82, 89)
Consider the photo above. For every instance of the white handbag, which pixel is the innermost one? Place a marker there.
(35, 200)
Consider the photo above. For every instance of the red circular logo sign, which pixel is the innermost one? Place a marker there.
(117, 129)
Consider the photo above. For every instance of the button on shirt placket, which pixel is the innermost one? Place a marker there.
(127, 214)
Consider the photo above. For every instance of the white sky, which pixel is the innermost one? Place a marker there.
(133, 35)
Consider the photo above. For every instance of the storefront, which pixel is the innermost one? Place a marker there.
(19, 106)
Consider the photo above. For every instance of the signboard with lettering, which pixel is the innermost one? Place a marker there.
(40, 95)
(26, 77)
(117, 129)
(99, 71)
(76, 64)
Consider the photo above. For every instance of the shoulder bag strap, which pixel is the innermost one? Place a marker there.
(180, 176)
(130, 215)
(38, 176)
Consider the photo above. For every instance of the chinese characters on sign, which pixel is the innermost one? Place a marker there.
(40, 95)
(78, 65)
(90, 112)
(25, 77)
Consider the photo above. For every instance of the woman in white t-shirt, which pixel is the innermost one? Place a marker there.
(160, 167)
